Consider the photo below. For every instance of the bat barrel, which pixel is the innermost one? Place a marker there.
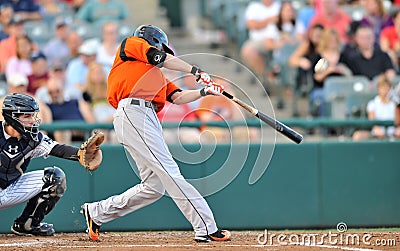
(281, 128)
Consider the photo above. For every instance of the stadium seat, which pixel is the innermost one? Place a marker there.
(38, 31)
(125, 30)
(356, 104)
(338, 88)
(86, 30)
(355, 12)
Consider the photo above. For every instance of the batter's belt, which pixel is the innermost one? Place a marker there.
(140, 102)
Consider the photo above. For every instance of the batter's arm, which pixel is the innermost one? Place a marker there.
(185, 96)
(176, 64)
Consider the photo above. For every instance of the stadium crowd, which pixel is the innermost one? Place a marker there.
(358, 39)
(61, 52)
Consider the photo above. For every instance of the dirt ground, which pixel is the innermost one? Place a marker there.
(181, 240)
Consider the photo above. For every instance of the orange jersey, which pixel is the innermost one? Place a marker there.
(133, 76)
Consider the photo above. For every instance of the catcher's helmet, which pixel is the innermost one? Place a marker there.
(15, 105)
(154, 36)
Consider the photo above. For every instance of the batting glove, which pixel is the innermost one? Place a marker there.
(202, 78)
(212, 89)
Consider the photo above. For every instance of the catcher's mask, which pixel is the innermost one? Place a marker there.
(21, 112)
(154, 36)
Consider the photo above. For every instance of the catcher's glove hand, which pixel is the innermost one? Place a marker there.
(89, 154)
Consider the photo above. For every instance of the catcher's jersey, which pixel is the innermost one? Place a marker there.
(15, 155)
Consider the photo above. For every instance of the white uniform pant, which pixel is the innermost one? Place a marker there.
(24, 188)
(139, 131)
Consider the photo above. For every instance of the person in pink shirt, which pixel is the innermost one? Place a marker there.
(20, 63)
(8, 46)
(331, 16)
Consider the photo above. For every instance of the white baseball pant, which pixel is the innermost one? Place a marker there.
(139, 131)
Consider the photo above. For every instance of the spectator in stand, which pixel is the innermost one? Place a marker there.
(18, 83)
(96, 92)
(74, 41)
(390, 39)
(109, 46)
(74, 5)
(253, 52)
(282, 38)
(331, 16)
(306, 13)
(380, 108)
(99, 11)
(57, 47)
(8, 46)
(27, 10)
(370, 60)
(304, 56)
(68, 110)
(20, 63)
(376, 17)
(350, 48)
(77, 68)
(50, 7)
(6, 13)
(96, 95)
(56, 70)
(329, 48)
(40, 73)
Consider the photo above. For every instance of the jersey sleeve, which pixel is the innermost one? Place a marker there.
(171, 89)
(44, 148)
(134, 48)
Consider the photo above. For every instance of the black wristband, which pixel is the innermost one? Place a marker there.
(203, 92)
(195, 70)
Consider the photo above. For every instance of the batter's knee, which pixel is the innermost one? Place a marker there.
(156, 189)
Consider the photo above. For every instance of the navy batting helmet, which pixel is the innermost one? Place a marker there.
(17, 104)
(154, 36)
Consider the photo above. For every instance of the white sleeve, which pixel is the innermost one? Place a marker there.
(251, 12)
(44, 147)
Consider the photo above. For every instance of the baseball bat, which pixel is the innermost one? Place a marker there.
(278, 126)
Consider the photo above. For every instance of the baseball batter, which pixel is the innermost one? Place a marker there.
(138, 90)
(20, 141)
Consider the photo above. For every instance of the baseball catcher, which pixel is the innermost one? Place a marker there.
(138, 96)
(20, 141)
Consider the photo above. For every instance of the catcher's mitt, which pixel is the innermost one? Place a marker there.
(90, 155)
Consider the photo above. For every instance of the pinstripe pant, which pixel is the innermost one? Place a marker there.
(23, 189)
(139, 131)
